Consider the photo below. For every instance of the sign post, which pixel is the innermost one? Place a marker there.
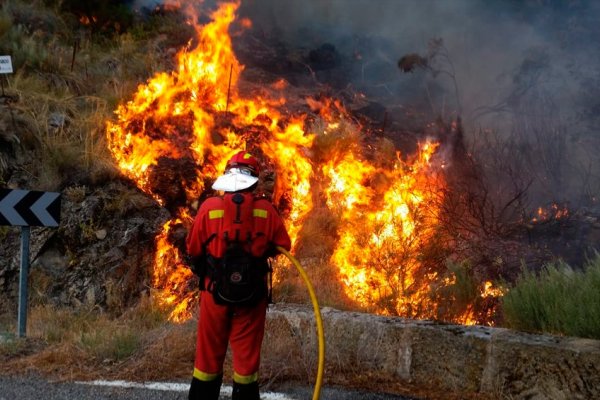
(27, 208)
(5, 68)
(23, 275)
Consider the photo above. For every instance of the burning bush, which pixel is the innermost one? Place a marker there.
(383, 208)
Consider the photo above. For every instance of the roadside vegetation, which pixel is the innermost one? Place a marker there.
(140, 344)
(69, 77)
(558, 300)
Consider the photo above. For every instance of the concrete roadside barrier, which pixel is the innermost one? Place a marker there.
(455, 359)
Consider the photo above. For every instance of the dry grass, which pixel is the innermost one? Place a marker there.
(67, 131)
(66, 85)
(88, 344)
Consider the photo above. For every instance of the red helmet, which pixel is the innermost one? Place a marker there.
(244, 160)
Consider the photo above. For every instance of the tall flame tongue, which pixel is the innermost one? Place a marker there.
(195, 113)
(193, 119)
(383, 226)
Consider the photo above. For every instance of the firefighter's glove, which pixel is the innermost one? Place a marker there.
(271, 252)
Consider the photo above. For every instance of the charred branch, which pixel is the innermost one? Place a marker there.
(169, 178)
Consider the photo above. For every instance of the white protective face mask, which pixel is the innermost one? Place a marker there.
(235, 179)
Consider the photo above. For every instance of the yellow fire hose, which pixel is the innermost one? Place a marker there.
(317, 311)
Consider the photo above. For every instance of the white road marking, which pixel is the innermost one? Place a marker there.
(176, 387)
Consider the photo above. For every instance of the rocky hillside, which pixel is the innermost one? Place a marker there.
(68, 77)
(72, 68)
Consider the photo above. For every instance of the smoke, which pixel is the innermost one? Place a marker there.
(524, 71)
(487, 44)
(148, 4)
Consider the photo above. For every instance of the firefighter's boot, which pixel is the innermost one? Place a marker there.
(245, 391)
(205, 390)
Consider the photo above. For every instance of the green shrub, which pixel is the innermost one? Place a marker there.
(111, 344)
(558, 300)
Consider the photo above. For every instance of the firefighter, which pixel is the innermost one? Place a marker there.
(237, 216)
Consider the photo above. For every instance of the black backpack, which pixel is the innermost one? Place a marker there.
(237, 278)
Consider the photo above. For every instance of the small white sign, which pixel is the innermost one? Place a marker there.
(5, 65)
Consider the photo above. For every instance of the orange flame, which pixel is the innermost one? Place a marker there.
(384, 226)
(553, 212)
(387, 211)
(85, 20)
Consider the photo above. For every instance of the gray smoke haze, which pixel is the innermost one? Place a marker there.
(488, 42)
(526, 72)
(139, 4)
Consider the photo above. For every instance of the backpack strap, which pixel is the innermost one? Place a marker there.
(203, 263)
(239, 223)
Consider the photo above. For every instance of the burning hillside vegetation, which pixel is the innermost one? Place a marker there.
(380, 207)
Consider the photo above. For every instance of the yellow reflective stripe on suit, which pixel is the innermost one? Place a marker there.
(203, 376)
(257, 212)
(245, 379)
(260, 213)
(214, 214)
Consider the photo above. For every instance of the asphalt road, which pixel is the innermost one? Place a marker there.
(36, 388)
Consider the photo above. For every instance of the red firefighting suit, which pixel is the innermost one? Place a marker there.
(241, 326)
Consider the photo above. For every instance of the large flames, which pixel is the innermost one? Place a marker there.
(381, 233)
(387, 207)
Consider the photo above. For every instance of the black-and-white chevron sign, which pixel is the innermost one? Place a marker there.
(29, 208)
